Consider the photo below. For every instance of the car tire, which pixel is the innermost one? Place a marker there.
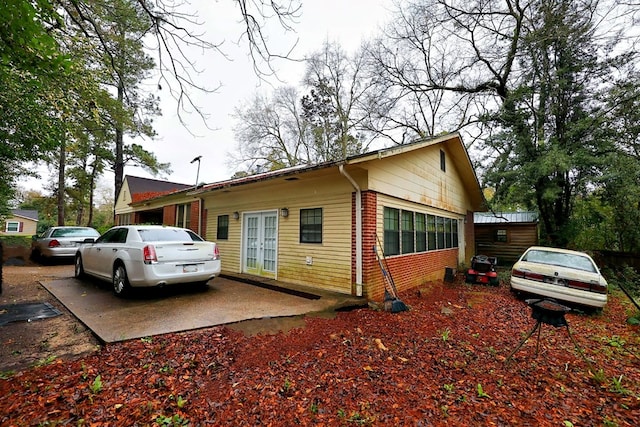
(470, 278)
(79, 268)
(120, 281)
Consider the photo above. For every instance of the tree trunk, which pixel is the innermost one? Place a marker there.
(119, 162)
(61, 184)
(92, 181)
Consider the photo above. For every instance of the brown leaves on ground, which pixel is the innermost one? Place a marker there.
(441, 363)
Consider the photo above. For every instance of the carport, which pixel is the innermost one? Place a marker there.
(226, 300)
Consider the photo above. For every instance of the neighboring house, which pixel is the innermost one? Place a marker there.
(21, 222)
(134, 190)
(505, 235)
(318, 225)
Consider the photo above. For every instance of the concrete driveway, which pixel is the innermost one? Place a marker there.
(158, 311)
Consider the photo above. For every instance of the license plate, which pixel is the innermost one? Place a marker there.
(189, 268)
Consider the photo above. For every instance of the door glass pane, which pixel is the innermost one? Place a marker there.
(269, 261)
(252, 241)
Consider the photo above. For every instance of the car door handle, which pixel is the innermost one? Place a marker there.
(114, 249)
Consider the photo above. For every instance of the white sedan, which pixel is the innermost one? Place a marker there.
(148, 255)
(561, 274)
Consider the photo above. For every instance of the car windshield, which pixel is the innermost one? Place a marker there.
(167, 235)
(560, 259)
(74, 232)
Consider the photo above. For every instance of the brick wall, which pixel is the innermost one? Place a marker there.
(205, 213)
(193, 224)
(169, 215)
(408, 271)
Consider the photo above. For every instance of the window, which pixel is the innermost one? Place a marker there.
(391, 231)
(447, 233)
(223, 227)
(440, 232)
(13, 227)
(421, 232)
(183, 215)
(114, 235)
(454, 232)
(431, 233)
(501, 236)
(311, 225)
(407, 232)
(443, 161)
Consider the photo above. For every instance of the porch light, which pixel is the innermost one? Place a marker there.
(236, 215)
(284, 212)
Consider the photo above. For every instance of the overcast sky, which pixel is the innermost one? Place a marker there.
(346, 21)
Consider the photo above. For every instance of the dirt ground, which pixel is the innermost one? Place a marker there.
(24, 344)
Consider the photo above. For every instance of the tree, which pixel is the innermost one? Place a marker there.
(326, 124)
(529, 73)
(334, 106)
(32, 106)
(35, 72)
(272, 133)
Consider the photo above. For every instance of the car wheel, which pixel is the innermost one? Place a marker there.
(79, 268)
(470, 278)
(121, 285)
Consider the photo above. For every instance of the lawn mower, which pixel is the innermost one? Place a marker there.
(483, 270)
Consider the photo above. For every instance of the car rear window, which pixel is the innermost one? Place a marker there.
(560, 259)
(167, 235)
(74, 232)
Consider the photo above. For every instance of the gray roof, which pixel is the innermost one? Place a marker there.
(25, 213)
(139, 185)
(504, 217)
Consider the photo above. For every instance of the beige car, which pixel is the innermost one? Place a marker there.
(561, 274)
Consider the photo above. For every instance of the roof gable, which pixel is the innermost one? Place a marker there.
(147, 188)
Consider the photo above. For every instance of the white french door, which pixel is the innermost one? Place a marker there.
(260, 243)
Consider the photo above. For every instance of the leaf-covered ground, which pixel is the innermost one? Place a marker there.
(441, 363)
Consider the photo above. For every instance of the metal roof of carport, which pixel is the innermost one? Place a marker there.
(505, 217)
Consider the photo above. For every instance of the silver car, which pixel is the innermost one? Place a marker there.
(60, 242)
(148, 255)
(561, 274)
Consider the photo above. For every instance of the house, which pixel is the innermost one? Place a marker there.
(505, 235)
(20, 222)
(318, 225)
(136, 189)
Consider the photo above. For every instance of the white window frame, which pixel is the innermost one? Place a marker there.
(8, 226)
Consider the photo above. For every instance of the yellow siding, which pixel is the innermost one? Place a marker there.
(331, 260)
(416, 176)
(124, 198)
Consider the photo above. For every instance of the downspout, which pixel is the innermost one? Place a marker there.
(358, 230)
